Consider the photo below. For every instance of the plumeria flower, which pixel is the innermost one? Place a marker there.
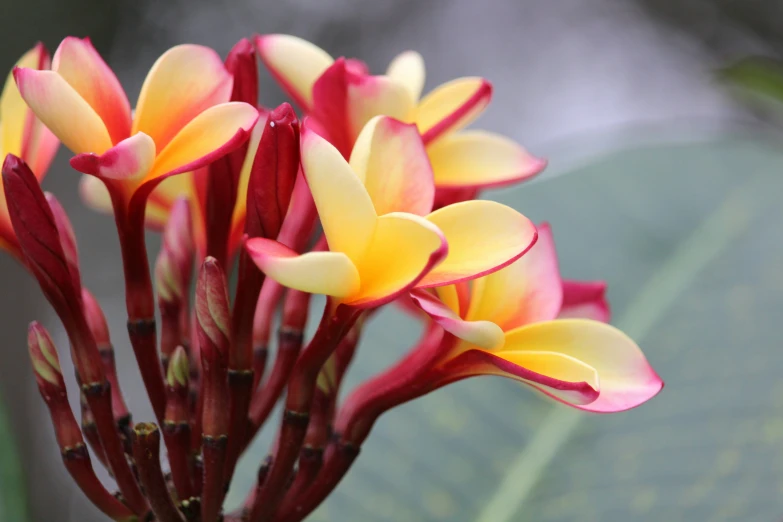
(341, 96)
(24, 136)
(383, 238)
(508, 324)
(181, 121)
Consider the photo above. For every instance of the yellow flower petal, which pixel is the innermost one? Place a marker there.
(390, 159)
(403, 249)
(185, 81)
(344, 207)
(61, 109)
(452, 106)
(480, 159)
(328, 273)
(484, 334)
(449, 297)
(130, 159)
(95, 194)
(483, 236)
(295, 63)
(626, 378)
(80, 65)
(13, 110)
(408, 69)
(376, 95)
(210, 135)
(527, 291)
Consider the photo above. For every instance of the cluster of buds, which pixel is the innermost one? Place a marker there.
(370, 201)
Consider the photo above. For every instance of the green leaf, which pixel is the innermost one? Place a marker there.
(690, 240)
(13, 499)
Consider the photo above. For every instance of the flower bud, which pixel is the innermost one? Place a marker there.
(174, 266)
(39, 237)
(241, 63)
(96, 320)
(273, 174)
(46, 363)
(212, 313)
(67, 237)
(178, 372)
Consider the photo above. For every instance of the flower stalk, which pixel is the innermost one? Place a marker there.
(176, 425)
(146, 453)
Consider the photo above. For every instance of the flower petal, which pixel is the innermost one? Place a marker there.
(370, 96)
(346, 98)
(586, 300)
(452, 106)
(403, 249)
(185, 81)
(210, 135)
(15, 116)
(390, 159)
(561, 377)
(95, 194)
(529, 290)
(344, 207)
(483, 236)
(328, 273)
(408, 69)
(77, 61)
(480, 159)
(295, 63)
(627, 379)
(61, 109)
(130, 158)
(484, 334)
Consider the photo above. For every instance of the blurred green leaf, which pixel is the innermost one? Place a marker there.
(13, 500)
(760, 75)
(689, 239)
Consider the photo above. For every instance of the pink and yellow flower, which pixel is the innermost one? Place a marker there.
(376, 214)
(341, 96)
(520, 322)
(182, 119)
(23, 135)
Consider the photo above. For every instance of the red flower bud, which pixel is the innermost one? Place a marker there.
(174, 266)
(96, 320)
(273, 174)
(67, 237)
(212, 313)
(39, 237)
(241, 62)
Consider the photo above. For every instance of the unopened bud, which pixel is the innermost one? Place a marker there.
(178, 372)
(174, 266)
(212, 312)
(96, 320)
(46, 364)
(273, 174)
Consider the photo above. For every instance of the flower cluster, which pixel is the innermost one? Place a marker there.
(370, 201)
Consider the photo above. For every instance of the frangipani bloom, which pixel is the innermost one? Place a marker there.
(508, 325)
(376, 217)
(23, 135)
(342, 97)
(181, 121)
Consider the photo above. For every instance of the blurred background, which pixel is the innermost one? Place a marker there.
(660, 182)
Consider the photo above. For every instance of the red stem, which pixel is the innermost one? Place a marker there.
(215, 435)
(170, 333)
(301, 388)
(176, 433)
(99, 400)
(146, 452)
(397, 385)
(290, 336)
(139, 298)
(77, 459)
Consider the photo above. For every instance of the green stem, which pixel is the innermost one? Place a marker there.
(13, 498)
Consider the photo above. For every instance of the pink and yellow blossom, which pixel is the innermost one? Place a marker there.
(182, 120)
(522, 322)
(341, 96)
(23, 135)
(377, 208)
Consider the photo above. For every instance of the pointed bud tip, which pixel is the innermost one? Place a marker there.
(179, 368)
(96, 319)
(283, 115)
(12, 164)
(43, 354)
